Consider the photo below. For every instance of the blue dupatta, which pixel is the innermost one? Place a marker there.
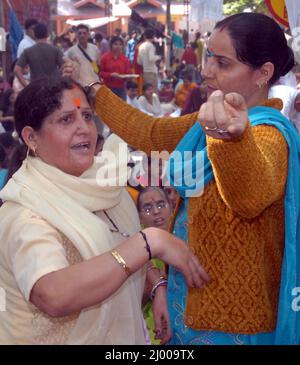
(288, 321)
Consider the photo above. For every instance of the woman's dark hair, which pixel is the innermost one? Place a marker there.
(258, 39)
(40, 99)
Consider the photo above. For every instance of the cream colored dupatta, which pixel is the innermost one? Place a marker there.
(70, 204)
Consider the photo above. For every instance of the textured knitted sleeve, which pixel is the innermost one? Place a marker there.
(250, 173)
(139, 130)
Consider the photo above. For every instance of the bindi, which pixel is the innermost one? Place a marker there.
(77, 103)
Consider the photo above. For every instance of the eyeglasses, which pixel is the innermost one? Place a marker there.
(149, 208)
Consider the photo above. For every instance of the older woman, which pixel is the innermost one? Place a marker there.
(244, 227)
(71, 253)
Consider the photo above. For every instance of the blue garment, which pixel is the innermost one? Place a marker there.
(130, 49)
(3, 174)
(15, 33)
(288, 323)
(177, 40)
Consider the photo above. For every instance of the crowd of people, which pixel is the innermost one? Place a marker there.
(196, 250)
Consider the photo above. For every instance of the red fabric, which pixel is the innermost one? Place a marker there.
(24, 9)
(189, 56)
(108, 65)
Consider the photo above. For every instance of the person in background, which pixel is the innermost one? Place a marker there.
(172, 196)
(131, 44)
(177, 44)
(183, 90)
(9, 143)
(4, 85)
(102, 44)
(65, 44)
(189, 56)
(154, 211)
(114, 66)
(166, 97)
(149, 102)
(43, 59)
(117, 32)
(148, 59)
(7, 110)
(166, 93)
(87, 56)
(154, 208)
(138, 69)
(199, 42)
(132, 93)
(291, 102)
(195, 99)
(29, 39)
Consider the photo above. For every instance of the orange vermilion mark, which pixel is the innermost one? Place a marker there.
(77, 103)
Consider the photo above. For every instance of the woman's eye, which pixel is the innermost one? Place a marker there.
(222, 63)
(66, 119)
(88, 116)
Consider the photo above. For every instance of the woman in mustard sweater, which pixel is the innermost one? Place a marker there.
(242, 217)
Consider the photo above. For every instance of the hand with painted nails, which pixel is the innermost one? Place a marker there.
(224, 116)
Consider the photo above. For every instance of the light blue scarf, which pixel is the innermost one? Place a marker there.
(288, 322)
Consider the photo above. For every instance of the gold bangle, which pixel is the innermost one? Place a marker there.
(121, 262)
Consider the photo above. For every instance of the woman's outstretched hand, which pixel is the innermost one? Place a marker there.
(224, 116)
(175, 252)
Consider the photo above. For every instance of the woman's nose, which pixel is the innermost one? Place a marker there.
(207, 70)
(155, 209)
(82, 124)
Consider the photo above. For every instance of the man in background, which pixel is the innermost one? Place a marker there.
(43, 59)
(29, 37)
(147, 58)
(87, 55)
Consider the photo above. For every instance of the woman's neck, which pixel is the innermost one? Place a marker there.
(258, 98)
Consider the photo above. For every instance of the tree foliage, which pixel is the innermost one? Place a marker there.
(238, 6)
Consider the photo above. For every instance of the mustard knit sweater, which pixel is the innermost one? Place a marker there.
(236, 228)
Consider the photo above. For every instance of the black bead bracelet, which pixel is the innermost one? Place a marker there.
(147, 247)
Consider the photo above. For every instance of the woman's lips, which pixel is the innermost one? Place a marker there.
(210, 89)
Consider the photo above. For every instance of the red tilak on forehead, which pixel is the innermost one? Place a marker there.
(77, 103)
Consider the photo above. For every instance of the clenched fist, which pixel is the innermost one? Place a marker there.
(224, 116)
